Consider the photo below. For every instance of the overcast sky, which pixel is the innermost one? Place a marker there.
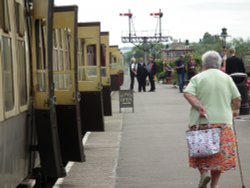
(182, 19)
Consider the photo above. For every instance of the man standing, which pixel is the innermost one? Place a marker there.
(234, 64)
(180, 68)
(132, 68)
(141, 75)
(151, 68)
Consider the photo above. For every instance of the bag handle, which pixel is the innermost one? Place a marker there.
(197, 126)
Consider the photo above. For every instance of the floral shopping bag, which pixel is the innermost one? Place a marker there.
(203, 142)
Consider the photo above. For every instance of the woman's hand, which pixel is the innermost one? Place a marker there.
(195, 102)
(235, 105)
(202, 111)
(236, 113)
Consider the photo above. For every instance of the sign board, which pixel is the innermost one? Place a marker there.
(126, 99)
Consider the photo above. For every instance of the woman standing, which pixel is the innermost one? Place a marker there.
(213, 94)
(191, 67)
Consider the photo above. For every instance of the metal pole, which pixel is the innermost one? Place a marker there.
(238, 155)
(160, 24)
(129, 26)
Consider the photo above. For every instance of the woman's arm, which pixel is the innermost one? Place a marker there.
(195, 102)
(236, 102)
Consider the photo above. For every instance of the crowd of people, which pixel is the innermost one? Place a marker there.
(142, 72)
(147, 72)
(185, 69)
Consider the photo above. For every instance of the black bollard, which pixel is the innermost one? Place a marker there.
(240, 80)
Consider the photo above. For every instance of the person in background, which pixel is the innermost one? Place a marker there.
(191, 67)
(234, 64)
(180, 68)
(214, 95)
(168, 70)
(132, 70)
(224, 58)
(151, 69)
(141, 75)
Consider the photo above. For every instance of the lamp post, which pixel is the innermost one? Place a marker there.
(224, 36)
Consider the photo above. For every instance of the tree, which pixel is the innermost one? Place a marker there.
(209, 39)
(208, 42)
(242, 47)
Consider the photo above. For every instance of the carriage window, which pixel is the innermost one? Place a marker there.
(110, 58)
(8, 75)
(59, 34)
(66, 43)
(22, 73)
(54, 38)
(41, 60)
(55, 58)
(4, 16)
(91, 51)
(55, 49)
(103, 60)
(61, 51)
(103, 55)
(82, 74)
(81, 52)
(20, 21)
(91, 60)
(61, 63)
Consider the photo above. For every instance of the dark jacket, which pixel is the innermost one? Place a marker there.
(234, 64)
(179, 63)
(141, 70)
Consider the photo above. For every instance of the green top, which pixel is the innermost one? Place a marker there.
(215, 90)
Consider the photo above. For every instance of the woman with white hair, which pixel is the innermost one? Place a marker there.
(132, 71)
(214, 95)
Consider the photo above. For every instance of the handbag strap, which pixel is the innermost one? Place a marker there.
(198, 122)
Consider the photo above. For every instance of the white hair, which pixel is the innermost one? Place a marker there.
(211, 59)
(133, 59)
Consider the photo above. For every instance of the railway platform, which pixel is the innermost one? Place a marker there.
(147, 148)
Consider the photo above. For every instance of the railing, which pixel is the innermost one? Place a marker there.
(114, 66)
(62, 80)
(87, 73)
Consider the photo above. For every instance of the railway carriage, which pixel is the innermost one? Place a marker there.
(105, 73)
(65, 83)
(116, 64)
(15, 122)
(55, 77)
(37, 87)
(26, 95)
(89, 78)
